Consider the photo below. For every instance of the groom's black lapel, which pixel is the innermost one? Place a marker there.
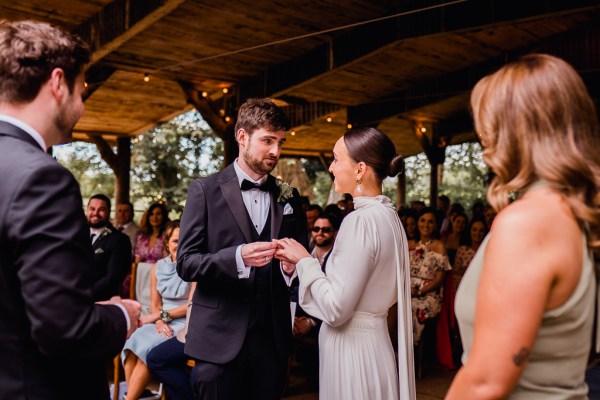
(276, 209)
(230, 187)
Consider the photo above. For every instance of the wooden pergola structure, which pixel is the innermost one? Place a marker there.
(406, 66)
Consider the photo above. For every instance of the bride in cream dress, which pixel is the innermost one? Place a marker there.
(367, 273)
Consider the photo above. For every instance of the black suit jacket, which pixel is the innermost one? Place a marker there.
(112, 262)
(214, 223)
(53, 339)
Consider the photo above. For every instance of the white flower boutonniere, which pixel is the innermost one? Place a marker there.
(105, 231)
(285, 191)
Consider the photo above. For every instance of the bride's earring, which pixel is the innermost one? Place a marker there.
(358, 187)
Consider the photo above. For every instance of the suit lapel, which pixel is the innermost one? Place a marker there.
(230, 187)
(276, 209)
(7, 129)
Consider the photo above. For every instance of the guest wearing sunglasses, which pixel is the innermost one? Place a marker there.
(323, 236)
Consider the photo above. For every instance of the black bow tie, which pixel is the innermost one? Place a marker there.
(247, 185)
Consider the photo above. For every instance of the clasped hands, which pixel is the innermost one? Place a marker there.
(288, 251)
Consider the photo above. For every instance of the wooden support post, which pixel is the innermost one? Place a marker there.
(401, 188)
(120, 163)
(434, 147)
(122, 182)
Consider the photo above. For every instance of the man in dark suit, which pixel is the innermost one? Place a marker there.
(240, 326)
(112, 249)
(53, 339)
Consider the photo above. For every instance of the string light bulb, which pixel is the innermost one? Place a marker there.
(349, 126)
(85, 84)
(423, 129)
(225, 90)
(146, 77)
(227, 118)
(204, 94)
(329, 119)
(293, 133)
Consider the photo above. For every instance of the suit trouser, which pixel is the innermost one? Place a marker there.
(167, 362)
(257, 372)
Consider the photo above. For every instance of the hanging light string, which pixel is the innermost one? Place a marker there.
(339, 28)
(291, 39)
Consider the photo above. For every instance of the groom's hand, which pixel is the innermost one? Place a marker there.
(258, 254)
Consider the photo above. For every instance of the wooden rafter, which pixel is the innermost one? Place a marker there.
(120, 21)
(365, 41)
(462, 81)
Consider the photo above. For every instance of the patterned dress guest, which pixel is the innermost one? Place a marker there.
(149, 247)
(477, 231)
(428, 266)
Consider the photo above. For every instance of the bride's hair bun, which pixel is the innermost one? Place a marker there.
(375, 149)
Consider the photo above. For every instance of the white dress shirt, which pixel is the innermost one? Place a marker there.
(257, 204)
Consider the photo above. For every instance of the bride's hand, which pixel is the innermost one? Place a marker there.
(290, 250)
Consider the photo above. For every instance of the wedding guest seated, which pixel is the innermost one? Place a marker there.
(333, 209)
(465, 253)
(149, 247)
(167, 361)
(408, 216)
(112, 249)
(313, 211)
(428, 266)
(489, 213)
(168, 305)
(455, 235)
(124, 223)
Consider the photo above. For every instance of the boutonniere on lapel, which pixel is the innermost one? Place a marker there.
(105, 231)
(286, 191)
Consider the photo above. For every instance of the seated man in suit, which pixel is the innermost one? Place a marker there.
(124, 223)
(112, 249)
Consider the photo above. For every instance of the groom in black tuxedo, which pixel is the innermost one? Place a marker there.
(240, 325)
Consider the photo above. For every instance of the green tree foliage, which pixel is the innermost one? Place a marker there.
(164, 160)
(464, 176)
(91, 171)
(167, 158)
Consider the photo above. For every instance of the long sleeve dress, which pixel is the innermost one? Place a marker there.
(367, 272)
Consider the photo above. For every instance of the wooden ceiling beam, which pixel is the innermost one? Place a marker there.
(120, 21)
(365, 41)
(95, 76)
(206, 108)
(462, 81)
(305, 113)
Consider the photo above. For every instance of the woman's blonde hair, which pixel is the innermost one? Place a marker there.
(536, 120)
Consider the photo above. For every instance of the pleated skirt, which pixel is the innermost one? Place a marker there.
(357, 360)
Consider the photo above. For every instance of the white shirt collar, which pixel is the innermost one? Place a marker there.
(27, 128)
(241, 175)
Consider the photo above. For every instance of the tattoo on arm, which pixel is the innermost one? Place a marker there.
(521, 356)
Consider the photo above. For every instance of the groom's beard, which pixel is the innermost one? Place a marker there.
(262, 165)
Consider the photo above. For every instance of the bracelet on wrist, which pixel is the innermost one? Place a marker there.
(165, 316)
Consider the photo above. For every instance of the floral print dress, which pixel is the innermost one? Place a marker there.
(424, 264)
(464, 255)
(149, 254)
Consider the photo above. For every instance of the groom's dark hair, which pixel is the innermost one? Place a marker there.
(261, 113)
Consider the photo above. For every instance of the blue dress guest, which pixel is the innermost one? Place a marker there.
(168, 305)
